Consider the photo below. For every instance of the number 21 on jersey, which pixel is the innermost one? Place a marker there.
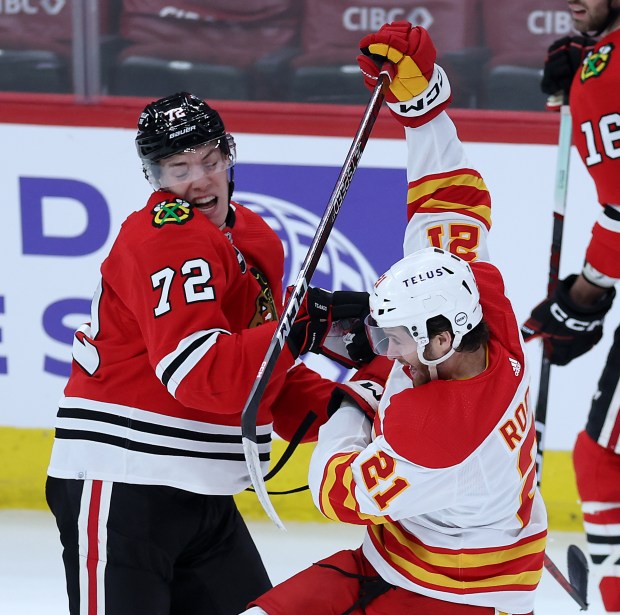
(462, 239)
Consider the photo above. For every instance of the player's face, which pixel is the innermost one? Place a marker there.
(392, 342)
(418, 371)
(200, 176)
(588, 15)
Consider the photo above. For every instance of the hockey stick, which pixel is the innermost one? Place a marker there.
(577, 586)
(250, 411)
(559, 207)
(577, 583)
(578, 572)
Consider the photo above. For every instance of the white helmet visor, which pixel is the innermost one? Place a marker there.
(392, 342)
(192, 164)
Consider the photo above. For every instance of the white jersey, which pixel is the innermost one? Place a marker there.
(445, 478)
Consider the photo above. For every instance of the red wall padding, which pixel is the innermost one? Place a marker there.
(279, 118)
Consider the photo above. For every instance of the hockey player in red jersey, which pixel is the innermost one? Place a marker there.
(148, 452)
(443, 474)
(571, 321)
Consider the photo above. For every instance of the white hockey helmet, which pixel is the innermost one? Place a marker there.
(427, 283)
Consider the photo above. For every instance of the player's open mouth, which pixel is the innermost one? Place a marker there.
(206, 203)
(576, 10)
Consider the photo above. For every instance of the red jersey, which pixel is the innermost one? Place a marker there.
(180, 324)
(594, 98)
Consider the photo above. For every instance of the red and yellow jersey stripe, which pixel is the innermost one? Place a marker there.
(462, 191)
(514, 567)
(337, 495)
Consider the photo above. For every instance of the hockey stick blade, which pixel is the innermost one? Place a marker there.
(578, 572)
(291, 309)
(570, 589)
(250, 450)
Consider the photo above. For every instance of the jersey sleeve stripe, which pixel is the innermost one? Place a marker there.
(175, 366)
(481, 213)
(458, 177)
(603, 253)
(337, 498)
(463, 191)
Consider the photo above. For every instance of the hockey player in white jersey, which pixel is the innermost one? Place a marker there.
(443, 474)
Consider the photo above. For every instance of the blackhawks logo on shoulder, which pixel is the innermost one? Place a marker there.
(172, 212)
(596, 62)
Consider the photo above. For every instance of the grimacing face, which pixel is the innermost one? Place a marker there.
(199, 175)
(588, 15)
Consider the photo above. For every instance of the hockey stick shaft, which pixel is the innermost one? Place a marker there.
(250, 411)
(559, 208)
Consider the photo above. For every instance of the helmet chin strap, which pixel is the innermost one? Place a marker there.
(433, 363)
(231, 182)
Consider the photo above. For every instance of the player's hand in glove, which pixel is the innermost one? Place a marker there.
(356, 342)
(318, 311)
(364, 388)
(567, 330)
(419, 89)
(564, 59)
(347, 342)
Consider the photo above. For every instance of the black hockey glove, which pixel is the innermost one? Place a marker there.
(566, 329)
(357, 344)
(318, 311)
(564, 58)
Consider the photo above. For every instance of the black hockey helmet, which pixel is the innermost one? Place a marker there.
(176, 123)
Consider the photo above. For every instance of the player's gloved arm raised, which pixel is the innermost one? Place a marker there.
(564, 59)
(567, 329)
(419, 89)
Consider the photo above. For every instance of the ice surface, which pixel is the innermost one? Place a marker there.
(32, 577)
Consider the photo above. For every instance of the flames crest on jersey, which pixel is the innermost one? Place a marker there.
(596, 62)
(172, 212)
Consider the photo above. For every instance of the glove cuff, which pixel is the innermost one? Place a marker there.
(599, 309)
(426, 105)
(597, 278)
(365, 394)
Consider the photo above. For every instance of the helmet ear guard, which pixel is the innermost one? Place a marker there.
(428, 283)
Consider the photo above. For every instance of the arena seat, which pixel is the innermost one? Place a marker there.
(326, 70)
(208, 47)
(36, 45)
(517, 35)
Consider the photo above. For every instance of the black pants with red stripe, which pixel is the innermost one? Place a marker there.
(136, 549)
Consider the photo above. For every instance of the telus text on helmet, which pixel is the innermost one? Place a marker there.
(422, 277)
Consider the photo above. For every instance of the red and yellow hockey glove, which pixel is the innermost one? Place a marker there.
(419, 89)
